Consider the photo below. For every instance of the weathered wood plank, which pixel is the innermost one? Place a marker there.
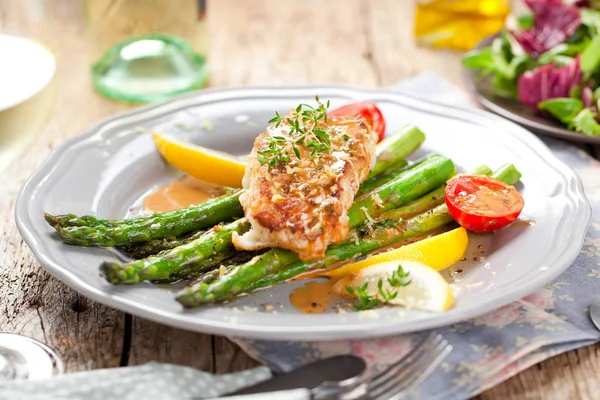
(229, 357)
(155, 342)
(86, 334)
(395, 53)
(572, 375)
(288, 42)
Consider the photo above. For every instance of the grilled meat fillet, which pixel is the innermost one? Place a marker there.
(301, 200)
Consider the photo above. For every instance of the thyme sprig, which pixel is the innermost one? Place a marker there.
(307, 127)
(366, 301)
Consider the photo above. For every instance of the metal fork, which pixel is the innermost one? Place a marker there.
(393, 383)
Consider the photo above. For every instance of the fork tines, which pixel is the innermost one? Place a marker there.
(411, 370)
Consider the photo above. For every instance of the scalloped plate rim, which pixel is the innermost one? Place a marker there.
(189, 321)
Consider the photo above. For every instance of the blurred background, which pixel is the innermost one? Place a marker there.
(112, 55)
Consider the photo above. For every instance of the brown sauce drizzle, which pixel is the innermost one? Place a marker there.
(179, 194)
(313, 297)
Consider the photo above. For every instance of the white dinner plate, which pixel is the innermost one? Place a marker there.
(110, 167)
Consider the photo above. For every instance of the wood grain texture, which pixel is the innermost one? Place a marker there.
(85, 334)
(155, 342)
(262, 42)
(573, 375)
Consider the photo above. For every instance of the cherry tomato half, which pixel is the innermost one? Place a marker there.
(365, 109)
(482, 204)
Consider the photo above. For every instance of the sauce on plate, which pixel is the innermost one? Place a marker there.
(313, 297)
(179, 194)
(521, 223)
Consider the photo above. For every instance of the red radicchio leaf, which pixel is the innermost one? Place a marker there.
(587, 96)
(553, 23)
(548, 82)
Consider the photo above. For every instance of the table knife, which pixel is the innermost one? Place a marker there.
(332, 369)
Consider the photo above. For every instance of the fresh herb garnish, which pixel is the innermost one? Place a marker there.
(367, 301)
(307, 127)
(364, 230)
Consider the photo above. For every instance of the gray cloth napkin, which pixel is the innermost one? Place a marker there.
(148, 382)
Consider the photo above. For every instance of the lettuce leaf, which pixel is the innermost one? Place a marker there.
(585, 122)
(565, 109)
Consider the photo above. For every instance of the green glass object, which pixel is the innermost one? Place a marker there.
(148, 68)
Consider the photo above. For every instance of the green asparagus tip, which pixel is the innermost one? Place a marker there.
(194, 296)
(482, 170)
(508, 173)
(112, 272)
(51, 220)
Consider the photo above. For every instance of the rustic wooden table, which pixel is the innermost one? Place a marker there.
(260, 42)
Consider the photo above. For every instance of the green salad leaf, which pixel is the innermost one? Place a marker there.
(585, 122)
(502, 60)
(564, 109)
(480, 59)
(576, 92)
(510, 63)
(505, 87)
(563, 52)
(525, 21)
(590, 58)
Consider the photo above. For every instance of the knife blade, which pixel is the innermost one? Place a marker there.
(310, 376)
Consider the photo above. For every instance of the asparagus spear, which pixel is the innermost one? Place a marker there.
(70, 220)
(391, 152)
(411, 209)
(199, 266)
(278, 265)
(507, 173)
(433, 220)
(211, 268)
(372, 183)
(396, 147)
(174, 223)
(408, 186)
(173, 261)
(427, 202)
(155, 246)
(75, 220)
(157, 268)
(386, 176)
(416, 207)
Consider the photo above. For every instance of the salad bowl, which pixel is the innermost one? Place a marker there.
(513, 110)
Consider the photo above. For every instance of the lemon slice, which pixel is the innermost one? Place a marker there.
(201, 163)
(428, 290)
(438, 252)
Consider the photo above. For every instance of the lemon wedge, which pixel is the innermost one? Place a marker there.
(438, 252)
(428, 290)
(201, 163)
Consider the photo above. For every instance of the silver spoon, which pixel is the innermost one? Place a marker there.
(595, 313)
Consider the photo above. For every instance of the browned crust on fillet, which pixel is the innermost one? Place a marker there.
(302, 205)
